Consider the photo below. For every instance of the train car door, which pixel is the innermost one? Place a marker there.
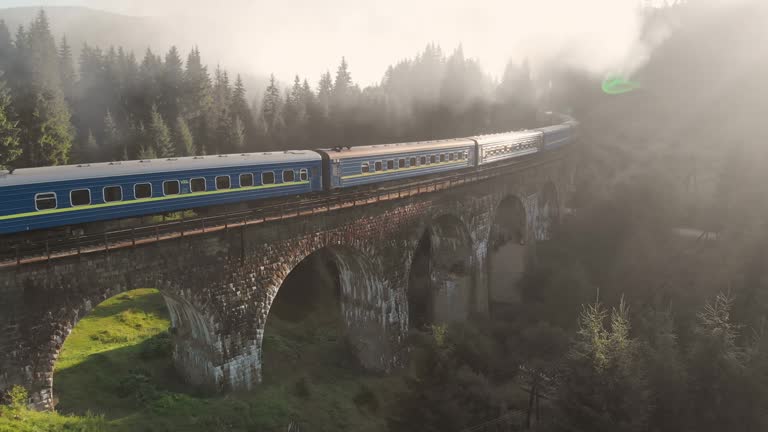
(335, 173)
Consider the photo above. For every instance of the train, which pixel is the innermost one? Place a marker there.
(72, 195)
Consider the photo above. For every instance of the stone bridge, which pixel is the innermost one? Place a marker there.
(400, 263)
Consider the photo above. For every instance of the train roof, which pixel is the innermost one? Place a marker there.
(150, 166)
(396, 148)
(506, 136)
(555, 128)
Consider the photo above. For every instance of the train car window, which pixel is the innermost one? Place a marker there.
(450, 156)
(423, 160)
(268, 178)
(442, 157)
(171, 187)
(303, 174)
(113, 193)
(246, 180)
(364, 167)
(223, 182)
(401, 163)
(461, 155)
(378, 166)
(288, 176)
(432, 159)
(197, 184)
(390, 164)
(80, 197)
(412, 162)
(142, 190)
(45, 201)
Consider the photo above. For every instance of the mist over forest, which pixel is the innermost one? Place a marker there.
(113, 104)
(647, 309)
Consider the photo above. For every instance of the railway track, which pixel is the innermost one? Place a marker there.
(20, 252)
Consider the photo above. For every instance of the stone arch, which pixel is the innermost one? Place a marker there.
(190, 331)
(507, 253)
(440, 276)
(548, 215)
(356, 295)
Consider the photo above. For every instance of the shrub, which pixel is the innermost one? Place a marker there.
(157, 347)
(138, 386)
(302, 388)
(18, 397)
(366, 398)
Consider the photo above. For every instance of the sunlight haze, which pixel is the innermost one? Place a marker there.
(301, 36)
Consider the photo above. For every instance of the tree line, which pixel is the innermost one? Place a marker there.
(109, 105)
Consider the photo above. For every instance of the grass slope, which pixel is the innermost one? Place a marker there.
(115, 373)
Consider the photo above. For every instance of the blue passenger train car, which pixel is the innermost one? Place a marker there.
(508, 145)
(35, 198)
(377, 163)
(556, 136)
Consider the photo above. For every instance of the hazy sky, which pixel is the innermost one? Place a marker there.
(310, 36)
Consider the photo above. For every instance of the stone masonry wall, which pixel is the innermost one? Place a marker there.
(219, 286)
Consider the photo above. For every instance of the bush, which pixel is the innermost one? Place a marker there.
(302, 388)
(18, 396)
(366, 398)
(159, 346)
(138, 386)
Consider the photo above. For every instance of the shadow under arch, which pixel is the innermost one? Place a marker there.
(507, 253)
(440, 277)
(187, 336)
(327, 312)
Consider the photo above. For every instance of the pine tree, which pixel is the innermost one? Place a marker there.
(222, 92)
(10, 148)
(150, 73)
(307, 95)
(271, 105)
(236, 137)
(146, 153)
(47, 133)
(239, 104)
(42, 57)
(113, 145)
(603, 389)
(66, 69)
(159, 136)
(87, 150)
(171, 85)
(7, 50)
(198, 100)
(197, 87)
(343, 80)
(324, 91)
(242, 112)
(137, 141)
(293, 110)
(183, 139)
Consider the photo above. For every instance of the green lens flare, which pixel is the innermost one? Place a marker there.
(618, 85)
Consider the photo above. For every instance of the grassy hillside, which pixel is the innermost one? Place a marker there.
(115, 374)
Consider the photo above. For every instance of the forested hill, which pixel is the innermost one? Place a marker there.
(95, 27)
(84, 25)
(111, 102)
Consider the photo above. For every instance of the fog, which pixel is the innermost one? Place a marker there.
(308, 37)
